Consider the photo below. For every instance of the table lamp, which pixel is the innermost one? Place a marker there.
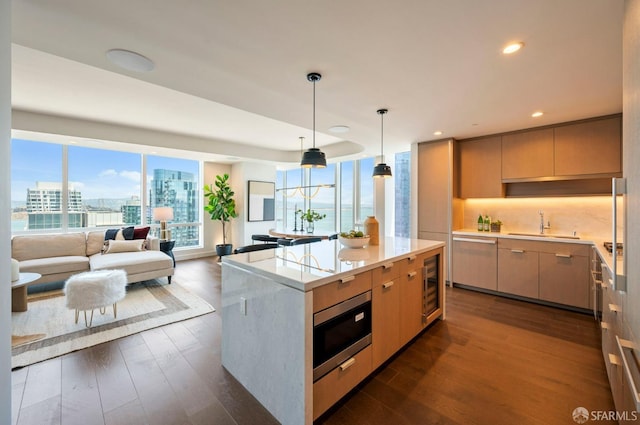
(163, 214)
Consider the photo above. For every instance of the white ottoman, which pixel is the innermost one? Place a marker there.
(98, 289)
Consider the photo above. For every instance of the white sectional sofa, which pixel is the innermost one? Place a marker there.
(57, 257)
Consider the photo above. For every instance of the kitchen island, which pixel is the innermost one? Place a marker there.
(271, 298)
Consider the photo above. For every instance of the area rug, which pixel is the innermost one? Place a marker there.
(147, 305)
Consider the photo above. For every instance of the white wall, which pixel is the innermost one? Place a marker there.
(5, 222)
(631, 149)
(212, 230)
(241, 173)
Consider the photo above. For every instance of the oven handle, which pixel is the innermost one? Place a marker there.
(336, 310)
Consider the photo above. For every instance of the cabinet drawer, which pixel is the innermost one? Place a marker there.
(333, 386)
(332, 293)
(565, 279)
(560, 248)
(386, 272)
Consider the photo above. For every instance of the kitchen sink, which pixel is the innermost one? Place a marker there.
(538, 235)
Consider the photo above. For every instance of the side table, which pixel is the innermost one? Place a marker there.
(19, 290)
(167, 248)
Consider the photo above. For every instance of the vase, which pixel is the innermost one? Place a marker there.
(310, 227)
(372, 228)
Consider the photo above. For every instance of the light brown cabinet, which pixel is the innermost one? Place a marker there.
(564, 274)
(517, 268)
(434, 190)
(475, 262)
(479, 164)
(385, 311)
(589, 148)
(411, 297)
(527, 154)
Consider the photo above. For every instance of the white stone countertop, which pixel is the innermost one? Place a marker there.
(308, 266)
(597, 242)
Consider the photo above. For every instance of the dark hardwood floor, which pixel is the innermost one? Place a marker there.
(493, 361)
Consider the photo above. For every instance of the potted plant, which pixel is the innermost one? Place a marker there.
(222, 207)
(311, 216)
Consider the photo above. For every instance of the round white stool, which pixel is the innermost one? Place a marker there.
(97, 289)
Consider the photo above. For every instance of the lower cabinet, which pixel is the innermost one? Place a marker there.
(475, 262)
(518, 271)
(385, 309)
(411, 298)
(337, 383)
(564, 277)
(557, 272)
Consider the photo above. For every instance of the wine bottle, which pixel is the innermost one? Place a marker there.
(480, 223)
(487, 223)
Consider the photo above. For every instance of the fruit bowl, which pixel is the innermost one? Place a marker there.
(354, 242)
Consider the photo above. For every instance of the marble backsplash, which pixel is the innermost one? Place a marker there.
(588, 216)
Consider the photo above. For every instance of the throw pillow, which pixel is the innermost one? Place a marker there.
(141, 232)
(113, 246)
(125, 233)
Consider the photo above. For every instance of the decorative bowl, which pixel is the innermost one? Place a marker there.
(354, 242)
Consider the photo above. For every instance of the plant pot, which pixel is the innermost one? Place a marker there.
(224, 249)
(495, 227)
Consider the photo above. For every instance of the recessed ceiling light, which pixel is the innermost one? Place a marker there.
(537, 114)
(339, 129)
(512, 47)
(437, 133)
(130, 61)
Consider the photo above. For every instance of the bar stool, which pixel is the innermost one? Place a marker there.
(298, 241)
(264, 238)
(252, 248)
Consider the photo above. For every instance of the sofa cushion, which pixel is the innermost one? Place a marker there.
(124, 233)
(55, 265)
(29, 247)
(95, 241)
(131, 262)
(114, 246)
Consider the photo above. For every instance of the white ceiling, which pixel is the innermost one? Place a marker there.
(231, 75)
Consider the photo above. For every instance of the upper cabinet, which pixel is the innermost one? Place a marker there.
(581, 150)
(590, 148)
(479, 164)
(527, 155)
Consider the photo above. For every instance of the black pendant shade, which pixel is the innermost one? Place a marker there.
(314, 157)
(381, 170)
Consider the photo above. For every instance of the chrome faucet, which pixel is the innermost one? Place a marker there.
(542, 225)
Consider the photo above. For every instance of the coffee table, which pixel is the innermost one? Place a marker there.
(19, 290)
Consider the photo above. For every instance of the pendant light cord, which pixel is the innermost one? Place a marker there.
(381, 137)
(314, 113)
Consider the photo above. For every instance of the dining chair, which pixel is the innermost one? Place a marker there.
(298, 241)
(256, 247)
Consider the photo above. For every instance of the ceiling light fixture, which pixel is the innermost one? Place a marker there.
(537, 114)
(437, 133)
(339, 129)
(314, 157)
(382, 170)
(513, 47)
(131, 61)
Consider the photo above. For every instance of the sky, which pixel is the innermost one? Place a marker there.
(97, 173)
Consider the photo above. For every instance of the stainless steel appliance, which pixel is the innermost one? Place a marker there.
(430, 293)
(339, 332)
(596, 283)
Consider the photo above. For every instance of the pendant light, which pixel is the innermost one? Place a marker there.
(314, 157)
(381, 170)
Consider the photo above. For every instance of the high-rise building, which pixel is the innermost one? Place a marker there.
(176, 189)
(402, 176)
(44, 206)
(131, 211)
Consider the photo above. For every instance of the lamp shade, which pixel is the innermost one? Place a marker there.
(163, 214)
(313, 157)
(381, 170)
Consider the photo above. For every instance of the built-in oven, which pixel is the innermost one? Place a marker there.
(339, 332)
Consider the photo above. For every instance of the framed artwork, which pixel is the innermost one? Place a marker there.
(262, 201)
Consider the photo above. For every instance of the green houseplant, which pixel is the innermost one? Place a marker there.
(222, 207)
(311, 216)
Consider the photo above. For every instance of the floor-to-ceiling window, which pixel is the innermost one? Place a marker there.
(36, 186)
(402, 182)
(58, 187)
